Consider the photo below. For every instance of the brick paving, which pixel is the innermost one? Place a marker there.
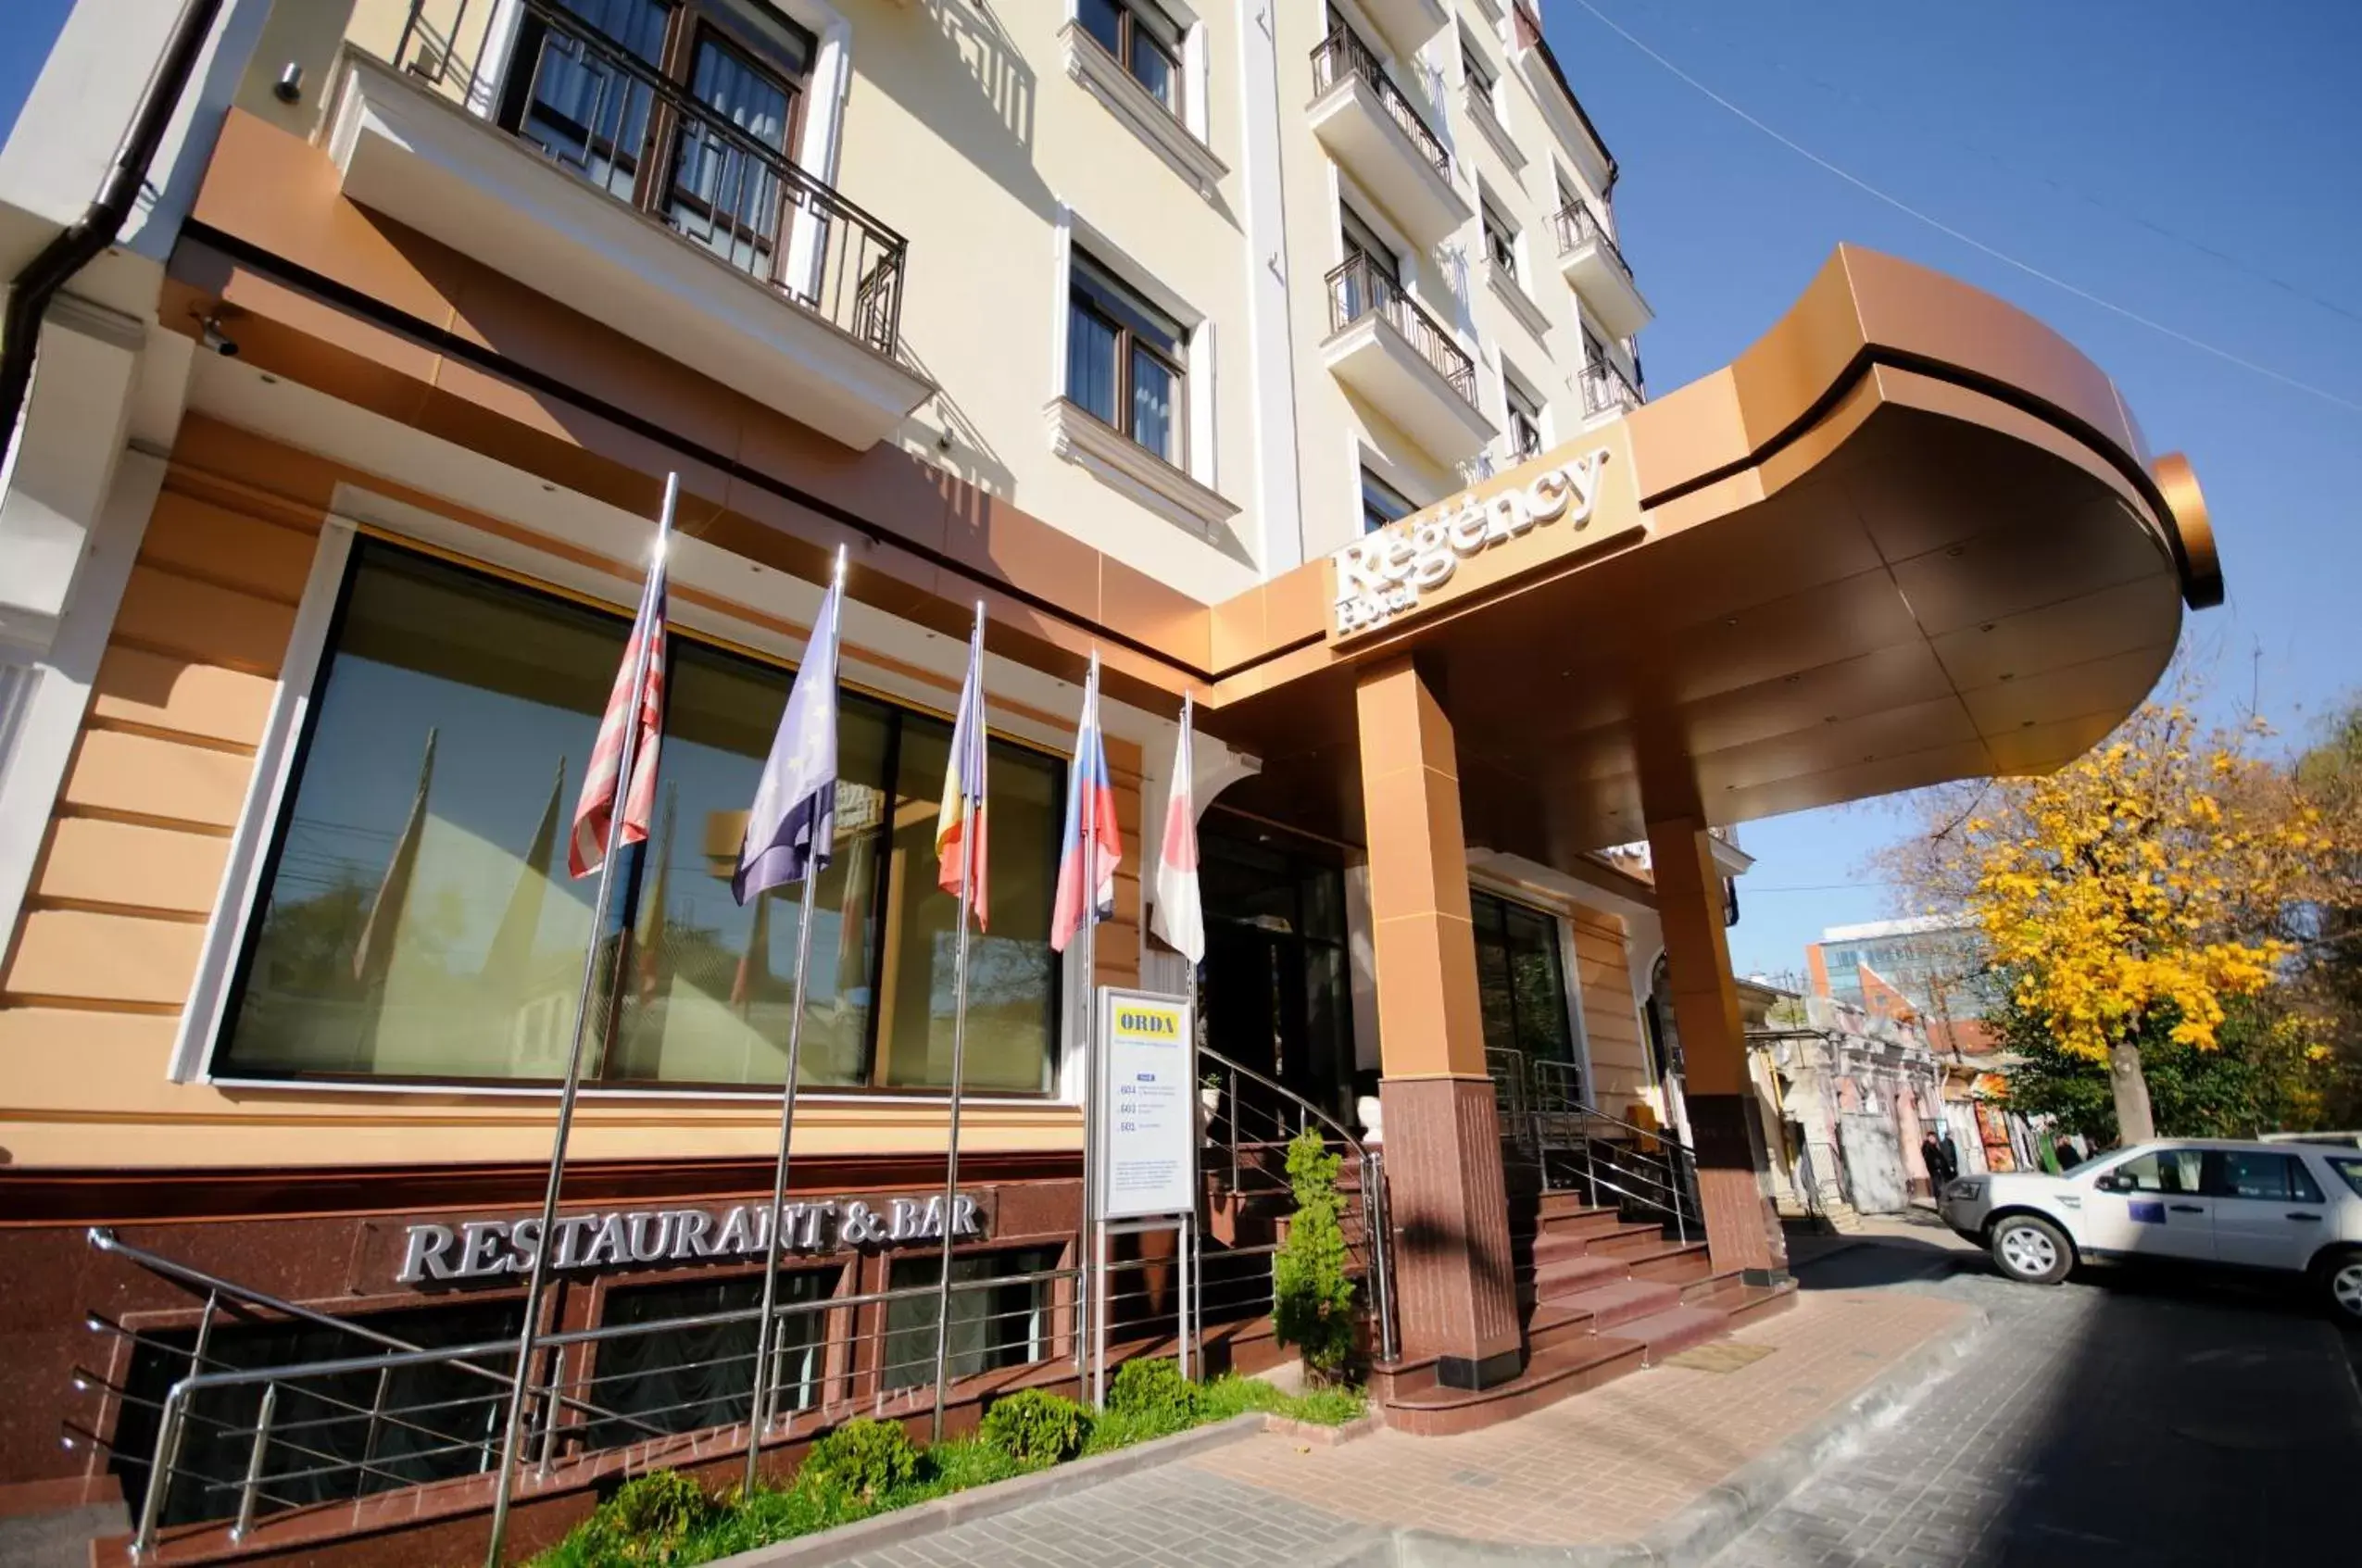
(2120, 1421)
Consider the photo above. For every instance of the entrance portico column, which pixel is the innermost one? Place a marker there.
(1742, 1231)
(1455, 1298)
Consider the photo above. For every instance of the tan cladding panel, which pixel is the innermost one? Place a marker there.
(91, 861)
(145, 776)
(105, 960)
(162, 691)
(165, 612)
(1611, 1022)
(212, 544)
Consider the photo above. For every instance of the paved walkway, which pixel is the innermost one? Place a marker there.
(1601, 1467)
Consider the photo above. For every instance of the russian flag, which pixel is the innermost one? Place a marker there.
(1093, 846)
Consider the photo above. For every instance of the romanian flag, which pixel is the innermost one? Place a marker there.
(959, 835)
(1093, 846)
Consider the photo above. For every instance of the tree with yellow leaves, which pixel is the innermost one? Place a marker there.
(2136, 891)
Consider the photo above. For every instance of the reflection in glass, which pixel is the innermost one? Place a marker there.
(993, 1324)
(688, 1379)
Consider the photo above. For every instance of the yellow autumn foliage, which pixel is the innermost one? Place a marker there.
(2150, 875)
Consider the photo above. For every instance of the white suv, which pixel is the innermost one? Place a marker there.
(2287, 1207)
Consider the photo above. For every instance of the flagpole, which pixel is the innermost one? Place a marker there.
(1090, 1371)
(970, 824)
(758, 1420)
(537, 1283)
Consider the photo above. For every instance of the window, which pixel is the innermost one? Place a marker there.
(585, 87)
(687, 1379)
(1381, 503)
(1144, 39)
(2270, 1178)
(1500, 240)
(1521, 982)
(2171, 1170)
(2350, 1168)
(448, 1423)
(418, 921)
(1524, 418)
(999, 1317)
(1479, 80)
(1360, 239)
(1124, 359)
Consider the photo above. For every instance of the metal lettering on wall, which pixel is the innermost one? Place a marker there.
(1381, 575)
(487, 1249)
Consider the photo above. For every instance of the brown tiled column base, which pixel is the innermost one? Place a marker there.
(1741, 1230)
(1455, 1295)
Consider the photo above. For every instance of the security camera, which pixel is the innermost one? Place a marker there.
(216, 340)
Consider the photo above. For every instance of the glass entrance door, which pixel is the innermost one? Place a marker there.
(1275, 983)
(1521, 985)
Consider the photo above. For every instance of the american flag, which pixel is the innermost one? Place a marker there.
(587, 847)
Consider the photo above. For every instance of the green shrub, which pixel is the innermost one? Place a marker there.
(1312, 1295)
(1035, 1426)
(863, 1459)
(1155, 1393)
(648, 1520)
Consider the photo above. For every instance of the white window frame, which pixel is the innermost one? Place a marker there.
(1509, 374)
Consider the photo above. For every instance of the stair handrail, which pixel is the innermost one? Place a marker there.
(1282, 1090)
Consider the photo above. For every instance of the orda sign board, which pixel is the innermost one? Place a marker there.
(1148, 1105)
(1405, 567)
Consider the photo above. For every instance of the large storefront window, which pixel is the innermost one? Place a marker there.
(688, 1379)
(999, 1316)
(420, 923)
(1521, 985)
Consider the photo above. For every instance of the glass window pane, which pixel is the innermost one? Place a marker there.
(2245, 1175)
(585, 110)
(1153, 68)
(1494, 990)
(709, 986)
(1542, 1029)
(1121, 303)
(1104, 22)
(1154, 421)
(686, 1379)
(1381, 503)
(993, 1324)
(724, 196)
(2350, 1168)
(420, 921)
(1012, 974)
(1090, 363)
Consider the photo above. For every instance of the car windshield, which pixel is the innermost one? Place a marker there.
(2082, 1165)
(2350, 1167)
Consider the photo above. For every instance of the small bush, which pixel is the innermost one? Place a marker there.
(863, 1459)
(1034, 1426)
(1312, 1295)
(648, 1520)
(1155, 1393)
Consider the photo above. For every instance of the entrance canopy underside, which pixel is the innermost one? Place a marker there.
(1910, 536)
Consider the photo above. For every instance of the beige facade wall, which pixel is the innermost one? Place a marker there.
(1339, 433)
(1611, 1020)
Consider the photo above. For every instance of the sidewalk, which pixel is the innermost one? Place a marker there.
(1602, 1468)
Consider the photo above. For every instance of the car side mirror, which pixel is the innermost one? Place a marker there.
(2109, 1184)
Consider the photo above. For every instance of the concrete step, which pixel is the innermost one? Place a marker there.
(1577, 1224)
(1618, 1302)
(1561, 1277)
(1551, 1375)
(1554, 1204)
(1674, 1330)
(1740, 1302)
(1550, 1324)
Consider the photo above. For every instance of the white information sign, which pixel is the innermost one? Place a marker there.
(1148, 1107)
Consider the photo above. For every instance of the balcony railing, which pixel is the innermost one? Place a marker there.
(1363, 288)
(705, 169)
(1341, 54)
(1605, 390)
(1577, 226)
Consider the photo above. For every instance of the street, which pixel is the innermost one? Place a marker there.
(2111, 1419)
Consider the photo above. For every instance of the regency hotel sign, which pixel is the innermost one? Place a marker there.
(1405, 567)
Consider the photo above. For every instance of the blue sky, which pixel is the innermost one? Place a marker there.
(2192, 162)
(2189, 161)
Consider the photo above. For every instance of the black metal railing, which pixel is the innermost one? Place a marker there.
(590, 104)
(1605, 388)
(1341, 54)
(1362, 288)
(1549, 1127)
(1577, 226)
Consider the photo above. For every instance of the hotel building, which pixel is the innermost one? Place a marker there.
(1286, 356)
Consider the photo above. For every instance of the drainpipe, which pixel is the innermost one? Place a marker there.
(37, 283)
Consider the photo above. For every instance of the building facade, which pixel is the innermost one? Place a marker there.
(1281, 357)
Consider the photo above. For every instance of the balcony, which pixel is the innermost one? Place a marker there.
(1406, 24)
(568, 162)
(1378, 136)
(1595, 270)
(1605, 389)
(1395, 358)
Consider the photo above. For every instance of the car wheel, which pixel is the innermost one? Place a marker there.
(2342, 1286)
(2032, 1250)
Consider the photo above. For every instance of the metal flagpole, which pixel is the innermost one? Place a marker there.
(1086, 1303)
(959, 1041)
(538, 1281)
(758, 1419)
